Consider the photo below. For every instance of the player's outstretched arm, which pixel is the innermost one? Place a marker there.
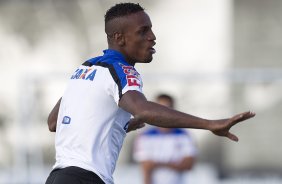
(152, 113)
(53, 116)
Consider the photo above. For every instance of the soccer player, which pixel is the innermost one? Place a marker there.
(165, 154)
(93, 115)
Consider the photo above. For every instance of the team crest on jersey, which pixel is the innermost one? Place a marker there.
(66, 120)
(85, 74)
(132, 76)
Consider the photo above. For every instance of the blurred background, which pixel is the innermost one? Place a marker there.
(217, 58)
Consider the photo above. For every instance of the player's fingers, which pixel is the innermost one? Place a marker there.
(135, 122)
(248, 115)
(242, 117)
(235, 119)
(232, 137)
(134, 125)
(141, 125)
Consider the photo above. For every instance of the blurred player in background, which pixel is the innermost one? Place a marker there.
(165, 153)
(93, 115)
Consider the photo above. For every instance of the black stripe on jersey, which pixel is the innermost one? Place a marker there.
(114, 75)
(87, 63)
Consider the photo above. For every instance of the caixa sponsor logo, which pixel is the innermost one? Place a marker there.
(85, 74)
(66, 120)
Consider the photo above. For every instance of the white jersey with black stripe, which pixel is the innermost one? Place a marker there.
(91, 127)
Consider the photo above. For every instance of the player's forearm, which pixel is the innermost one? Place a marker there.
(147, 168)
(53, 116)
(144, 111)
(161, 116)
(184, 165)
(147, 178)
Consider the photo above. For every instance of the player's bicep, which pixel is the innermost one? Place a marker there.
(132, 101)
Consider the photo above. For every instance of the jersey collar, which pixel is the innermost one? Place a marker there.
(116, 54)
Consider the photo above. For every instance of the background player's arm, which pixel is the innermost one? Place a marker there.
(147, 169)
(184, 165)
(53, 116)
(152, 113)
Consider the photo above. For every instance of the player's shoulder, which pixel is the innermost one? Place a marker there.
(110, 57)
(93, 61)
(114, 61)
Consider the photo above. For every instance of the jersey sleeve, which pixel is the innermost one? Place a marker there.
(126, 78)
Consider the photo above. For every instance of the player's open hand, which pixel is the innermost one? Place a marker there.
(134, 124)
(222, 127)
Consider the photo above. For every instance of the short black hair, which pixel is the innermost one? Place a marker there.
(122, 9)
(167, 97)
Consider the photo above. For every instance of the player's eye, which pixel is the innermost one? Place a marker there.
(144, 30)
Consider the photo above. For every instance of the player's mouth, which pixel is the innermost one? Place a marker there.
(152, 50)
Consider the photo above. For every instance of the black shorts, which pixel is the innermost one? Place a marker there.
(73, 175)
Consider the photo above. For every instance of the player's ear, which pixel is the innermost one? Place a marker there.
(119, 38)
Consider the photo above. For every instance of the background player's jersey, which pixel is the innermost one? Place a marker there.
(166, 147)
(91, 127)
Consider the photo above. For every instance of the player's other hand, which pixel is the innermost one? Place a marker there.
(222, 127)
(134, 124)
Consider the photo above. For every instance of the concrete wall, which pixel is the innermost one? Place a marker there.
(257, 46)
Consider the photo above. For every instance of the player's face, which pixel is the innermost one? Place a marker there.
(139, 38)
(164, 102)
